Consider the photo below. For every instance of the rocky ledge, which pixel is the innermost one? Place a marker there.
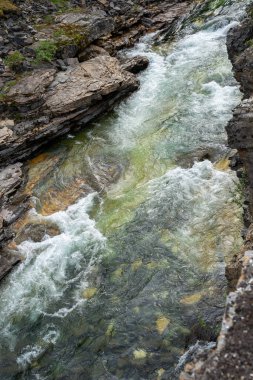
(59, 69)
(232, 358)
(50, 103)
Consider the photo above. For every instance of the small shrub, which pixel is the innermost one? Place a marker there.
(5, 89)
(7, 6)
(60, 3)
(69, 34)
(45, 51)
(238, 194)
(249, 43)
(14, 59)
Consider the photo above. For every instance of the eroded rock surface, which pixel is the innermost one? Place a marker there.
(50, 104)
(136, 64)
(11, 207)
(232, 359)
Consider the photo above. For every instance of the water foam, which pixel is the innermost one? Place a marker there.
(176, 89)
(197, 208)
(53, 268)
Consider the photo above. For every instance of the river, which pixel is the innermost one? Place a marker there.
(134, 220)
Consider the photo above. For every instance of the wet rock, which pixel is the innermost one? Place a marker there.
(136, 64)
(239, 129)
(36, 232)
(240, 50)
(200, 349)
(161, 324)
(7, 262)
(10, 180)
(89, 293)
(236, 338)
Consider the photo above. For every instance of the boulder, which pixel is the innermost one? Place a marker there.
(136, 64)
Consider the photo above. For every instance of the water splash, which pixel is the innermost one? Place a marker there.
(54, 271)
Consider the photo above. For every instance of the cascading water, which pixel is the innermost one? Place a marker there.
(129, 275)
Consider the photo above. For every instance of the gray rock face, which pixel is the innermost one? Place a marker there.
(233, 357)
(7, 262)
(96, 25)
(240, 50)
(240, 128)
(11, 178)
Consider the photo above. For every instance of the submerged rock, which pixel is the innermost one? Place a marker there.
(162, 324)
(139, 354)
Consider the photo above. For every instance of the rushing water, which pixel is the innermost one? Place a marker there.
(118, 284)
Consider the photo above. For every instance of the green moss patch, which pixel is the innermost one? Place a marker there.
(7, 6)
(14, 59)
(45, 52)
(71, 34)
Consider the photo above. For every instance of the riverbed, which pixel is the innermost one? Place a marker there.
(134, 220)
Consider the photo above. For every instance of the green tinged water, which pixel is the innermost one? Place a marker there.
(133, 271)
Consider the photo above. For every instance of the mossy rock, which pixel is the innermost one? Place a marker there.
(7, 6)
(14, 59)
(89, 293)
(71, 35)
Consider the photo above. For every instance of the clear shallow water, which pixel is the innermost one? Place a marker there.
(133, 271)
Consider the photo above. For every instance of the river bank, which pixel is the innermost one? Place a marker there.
(232, 357)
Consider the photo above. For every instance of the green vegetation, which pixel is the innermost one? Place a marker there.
(60, 3)
(7, 6)
(249, 43)
(216, 4)
(48, 19)
(238, 194)
(211, 5)
(70, 34)
(14, 59)
(45, 52)
(4, 90)
(250, 12)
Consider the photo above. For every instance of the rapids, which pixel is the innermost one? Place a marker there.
(140, 214)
